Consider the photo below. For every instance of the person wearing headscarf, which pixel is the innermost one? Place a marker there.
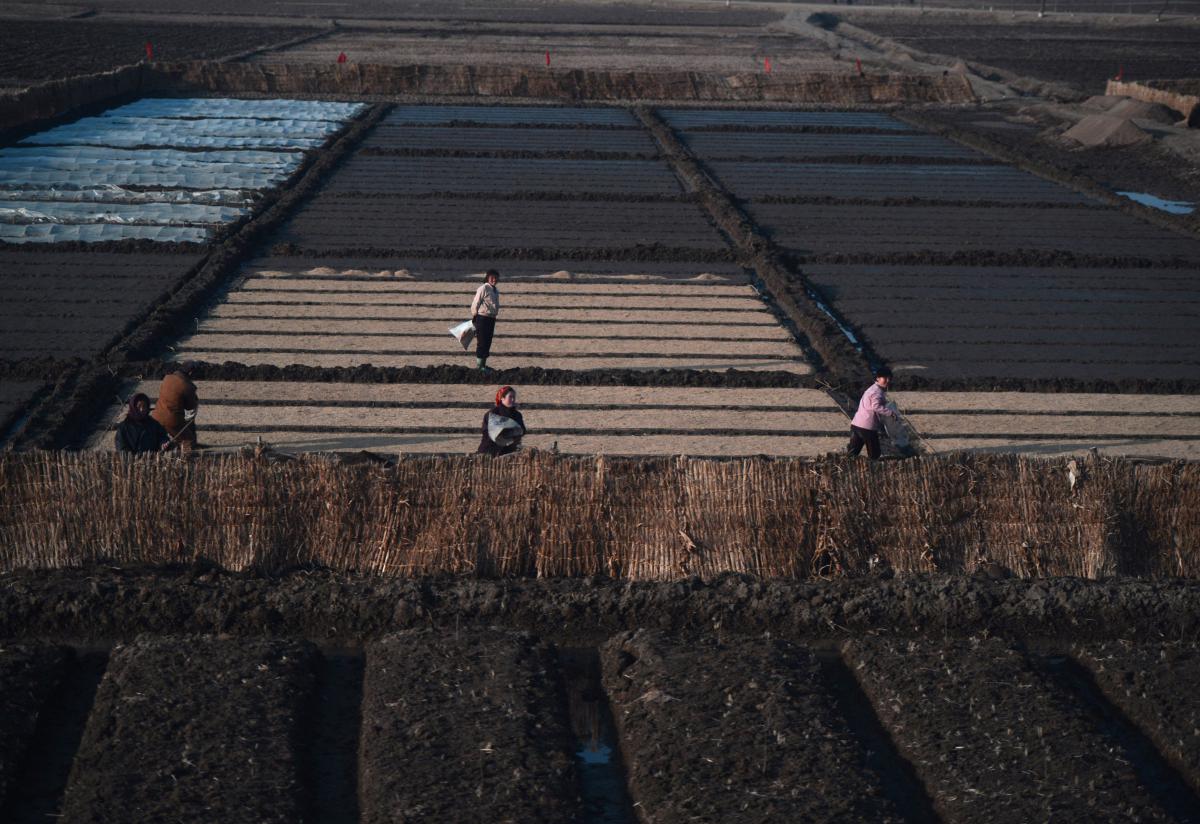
(503, 426)
(177, 405)
(485, 308)
(139, 433)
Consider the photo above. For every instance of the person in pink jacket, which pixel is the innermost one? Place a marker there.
(864, 429)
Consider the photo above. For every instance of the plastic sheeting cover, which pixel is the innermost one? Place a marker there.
(81, 181)
(167, 214)
(98, 233)
(287, 160)
(115, 194)
(231, 107)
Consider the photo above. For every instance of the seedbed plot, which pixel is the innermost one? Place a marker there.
(545, 116)
(875, 181)
(1055, 424)
(801, 145)
(332, 224)
(448, 418)
(469, 727)
(1077, 53)
(991, 739)
(696, 119)
(699, 325)
(417, 175)
(485, 139)
(735, 730)
(1154, 685)
(29, 673)
(70, 305)
(1021, 322)
(34, 51)
(679, 48)
(822, 229)
(515, 270)
(196, 729)
(620, 13)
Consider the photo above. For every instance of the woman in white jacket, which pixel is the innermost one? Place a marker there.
(484, 309)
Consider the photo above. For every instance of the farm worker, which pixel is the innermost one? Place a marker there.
(503, 426)
(484, 310)
(177, 404)
(139, 432)
(864, 429)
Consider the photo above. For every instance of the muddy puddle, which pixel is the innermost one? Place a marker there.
(1173, 207)
(597, 755)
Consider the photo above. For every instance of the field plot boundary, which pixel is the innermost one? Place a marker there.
(645, 519)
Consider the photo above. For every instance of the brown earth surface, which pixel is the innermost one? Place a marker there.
(36, 51)
(1081, 54)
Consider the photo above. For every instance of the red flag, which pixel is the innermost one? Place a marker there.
(342, 57)
(767, 64)
(547, 58)
(858, 65)
(1120, 73)
(149, 50)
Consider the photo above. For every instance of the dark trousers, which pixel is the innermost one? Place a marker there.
(858, 437)
(485, 327)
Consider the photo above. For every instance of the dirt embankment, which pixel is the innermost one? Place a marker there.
(562, 84)
(790, 292)
(105, 604)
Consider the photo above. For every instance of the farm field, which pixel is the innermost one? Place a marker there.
(1078, 53)
(437, 418)
(66, 305)
(1021, 322)
(524, 720)
(672, 48)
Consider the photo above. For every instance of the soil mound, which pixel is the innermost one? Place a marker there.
(1106, 131)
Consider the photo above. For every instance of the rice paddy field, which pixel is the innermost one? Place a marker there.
(681, 601)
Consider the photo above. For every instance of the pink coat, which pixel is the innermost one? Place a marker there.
(872, 405)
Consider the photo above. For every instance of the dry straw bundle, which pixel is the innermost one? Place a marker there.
(544, 515)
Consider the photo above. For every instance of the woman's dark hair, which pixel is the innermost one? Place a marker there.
(491, 273)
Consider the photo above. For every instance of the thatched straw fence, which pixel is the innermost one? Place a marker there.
(639, 519)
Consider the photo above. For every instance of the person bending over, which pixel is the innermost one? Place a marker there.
(864, 429)
(484, 310)
(139, 433)
(177, 404)
(503, 426)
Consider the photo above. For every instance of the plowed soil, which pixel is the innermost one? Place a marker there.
(1012, 322)
(37, 51)
(1080, 54)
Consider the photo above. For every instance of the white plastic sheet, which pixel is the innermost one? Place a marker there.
(115, 194)
(88, 181)
(167, 214)
(81, 154)
(231, 107)
(98, 233)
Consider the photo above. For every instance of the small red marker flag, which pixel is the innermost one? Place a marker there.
(149, 50)
(767, 64)
(1120, 73)
(858, 65)
(342, 57)
(547, 58)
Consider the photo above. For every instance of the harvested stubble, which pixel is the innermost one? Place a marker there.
(544, 515)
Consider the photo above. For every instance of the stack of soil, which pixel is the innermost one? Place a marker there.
(1106, 131)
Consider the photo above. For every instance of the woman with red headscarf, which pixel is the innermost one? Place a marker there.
(503, 426)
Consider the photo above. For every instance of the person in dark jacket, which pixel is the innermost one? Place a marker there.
(503, 426)
(139, 433)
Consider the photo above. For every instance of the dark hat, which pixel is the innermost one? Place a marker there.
(882, 372)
